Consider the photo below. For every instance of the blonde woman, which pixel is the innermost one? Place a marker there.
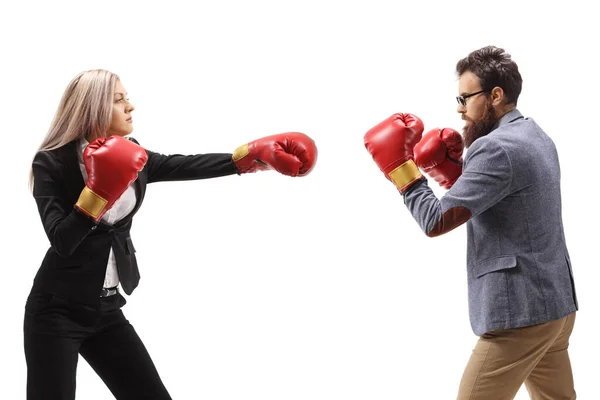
(88, 181)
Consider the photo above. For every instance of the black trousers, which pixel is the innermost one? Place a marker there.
(57, 331)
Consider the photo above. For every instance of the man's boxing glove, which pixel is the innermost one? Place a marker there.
(111, 163)
(391, 143)
(439, 155)
(292, 154)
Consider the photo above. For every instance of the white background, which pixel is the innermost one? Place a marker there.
(269, 287)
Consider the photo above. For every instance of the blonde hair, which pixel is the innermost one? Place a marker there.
(84, 109)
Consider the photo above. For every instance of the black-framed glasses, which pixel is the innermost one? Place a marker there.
(462, 100)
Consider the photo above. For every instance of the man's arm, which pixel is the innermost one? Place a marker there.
(486, 179)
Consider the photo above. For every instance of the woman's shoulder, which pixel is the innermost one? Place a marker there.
(133, 139)
(57, 154)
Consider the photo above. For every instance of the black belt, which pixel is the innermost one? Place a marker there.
(106, 292)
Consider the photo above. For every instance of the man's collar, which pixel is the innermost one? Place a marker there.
(507, 118)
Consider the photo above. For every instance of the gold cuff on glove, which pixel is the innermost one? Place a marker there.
(91, 203)
(405, 174)
(240, 152)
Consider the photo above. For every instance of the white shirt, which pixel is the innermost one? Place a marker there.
(123, 206)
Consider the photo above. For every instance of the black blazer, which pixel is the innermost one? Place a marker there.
(75, 265)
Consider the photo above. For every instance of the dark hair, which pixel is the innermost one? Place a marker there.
(494, 67)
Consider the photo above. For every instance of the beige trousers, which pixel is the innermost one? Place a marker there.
(535, 355)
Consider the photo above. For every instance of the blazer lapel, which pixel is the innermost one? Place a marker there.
(140, 189)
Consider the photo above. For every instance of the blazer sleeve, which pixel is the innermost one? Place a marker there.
(178, 167)
(486, 179)
(65, 226)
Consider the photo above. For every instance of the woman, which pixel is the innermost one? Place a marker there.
(88, 182)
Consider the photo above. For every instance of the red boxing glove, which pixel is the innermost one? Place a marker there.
(111, 163)
(391, 144)
(439, 154)
(291, 154)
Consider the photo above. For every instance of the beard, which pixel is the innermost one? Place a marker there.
(481, 127)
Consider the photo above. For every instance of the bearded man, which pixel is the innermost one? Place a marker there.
(522, 300)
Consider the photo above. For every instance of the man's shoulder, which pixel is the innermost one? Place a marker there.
(487, 144)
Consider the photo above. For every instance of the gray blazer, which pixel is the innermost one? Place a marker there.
(518, 267)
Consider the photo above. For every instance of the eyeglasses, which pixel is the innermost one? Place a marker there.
(462, 100)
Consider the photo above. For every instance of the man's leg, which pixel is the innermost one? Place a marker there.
(552, 379)
(502, 360)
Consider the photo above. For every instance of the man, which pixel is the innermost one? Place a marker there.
(522, 300)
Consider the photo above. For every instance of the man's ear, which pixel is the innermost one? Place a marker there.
(497, 95)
